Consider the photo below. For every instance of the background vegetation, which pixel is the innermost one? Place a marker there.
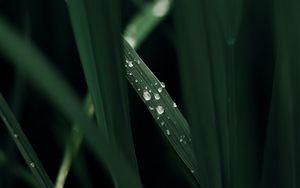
(210, 99)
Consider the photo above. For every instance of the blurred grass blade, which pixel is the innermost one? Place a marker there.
(161, 106)
(23, 144)
(281, 157)
(72, 147)
(145, 21)
(198, 81)
(96, 25)
(44, 77)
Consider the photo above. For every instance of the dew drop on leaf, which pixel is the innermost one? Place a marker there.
(32, 165)
(156, 96)
(146, 95)
(168, 132)
(160, 109)
(174, 105)
(130, 64)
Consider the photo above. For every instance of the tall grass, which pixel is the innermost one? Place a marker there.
(231, 67)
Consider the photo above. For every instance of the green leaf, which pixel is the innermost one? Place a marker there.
(23, 144)
(161, 106)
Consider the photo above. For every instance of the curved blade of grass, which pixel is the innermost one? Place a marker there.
(161, 106)
(23, 144)
(52, 84)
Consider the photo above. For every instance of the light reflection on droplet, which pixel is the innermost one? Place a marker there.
(160, 109)
(146, 95)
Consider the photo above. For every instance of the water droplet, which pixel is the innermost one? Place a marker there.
(192, 171)
(160, 109)
(32, 165)
(155, 84)
(130, 64)
(136, 81)
(156, 96)
(139, 89)
(163, 85)
(130, 74)
(162, 123)
(138, 62)
(159, 90)
(174, 105)
(146, 95)
(16, 136)
(151, 108)
(168, 132)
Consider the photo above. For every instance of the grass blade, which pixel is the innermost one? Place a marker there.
(72, 147)
(161, 106)
(23, 144)
(44, 77)
(96, 25)
(198, 87)
(281, 157)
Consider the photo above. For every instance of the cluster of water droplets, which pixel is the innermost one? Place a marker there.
(152, 95)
